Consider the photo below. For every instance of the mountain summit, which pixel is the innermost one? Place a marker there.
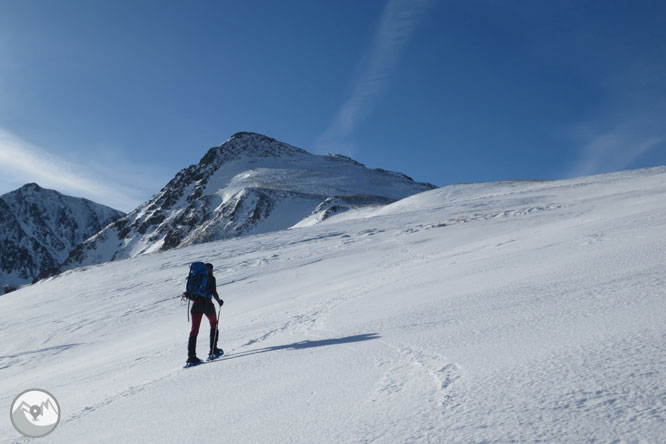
(249, 184)
(40, 227)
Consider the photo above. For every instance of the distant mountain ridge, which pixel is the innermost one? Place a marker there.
(40, 227)
(249, 184)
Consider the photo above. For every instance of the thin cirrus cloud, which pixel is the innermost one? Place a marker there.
(22, 162)
(398, 22)
(636, 131)
(616, 149)
(630, 130)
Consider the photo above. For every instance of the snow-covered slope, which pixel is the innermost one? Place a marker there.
(496, 313)
(40, 227)
(248, 185)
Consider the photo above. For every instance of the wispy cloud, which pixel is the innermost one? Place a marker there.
(617, 148)
(630, 128)
(110, 184)
(398, 22)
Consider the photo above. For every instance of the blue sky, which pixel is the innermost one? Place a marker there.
(109, 99)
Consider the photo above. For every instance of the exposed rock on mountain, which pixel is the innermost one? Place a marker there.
(39, 228)
(250, 184)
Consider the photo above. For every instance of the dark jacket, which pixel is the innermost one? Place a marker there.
(211, 288)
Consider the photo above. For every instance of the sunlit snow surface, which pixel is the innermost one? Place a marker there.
(496, 313)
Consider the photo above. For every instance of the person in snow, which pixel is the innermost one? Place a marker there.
(199, 308)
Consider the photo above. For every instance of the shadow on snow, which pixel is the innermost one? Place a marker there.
(39, 353)
(304, 345)
(56, 349)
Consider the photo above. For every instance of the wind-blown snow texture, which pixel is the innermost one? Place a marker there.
(40, 227)
(505, 312)
(248, 185)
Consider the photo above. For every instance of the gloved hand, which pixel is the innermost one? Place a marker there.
(221, 302)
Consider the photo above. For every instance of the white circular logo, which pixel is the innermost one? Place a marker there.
(35, 413)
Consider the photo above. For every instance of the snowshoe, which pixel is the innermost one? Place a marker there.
(191, 362)
(215, 354)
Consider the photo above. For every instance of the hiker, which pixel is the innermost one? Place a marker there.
(201, 306)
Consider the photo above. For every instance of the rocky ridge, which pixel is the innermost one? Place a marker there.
(40, 227)
(249, 184)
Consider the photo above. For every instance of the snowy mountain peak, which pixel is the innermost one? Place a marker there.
(247, 144)
(30, 187)
(39, 228)
(248, 135)
(249, 184)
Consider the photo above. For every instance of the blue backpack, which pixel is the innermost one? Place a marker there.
(197, 281)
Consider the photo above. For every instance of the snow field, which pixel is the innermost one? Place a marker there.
(484, 313)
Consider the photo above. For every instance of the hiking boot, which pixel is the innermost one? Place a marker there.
(217, 352)
(191, 348)
(214, 336)
(193, 360)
